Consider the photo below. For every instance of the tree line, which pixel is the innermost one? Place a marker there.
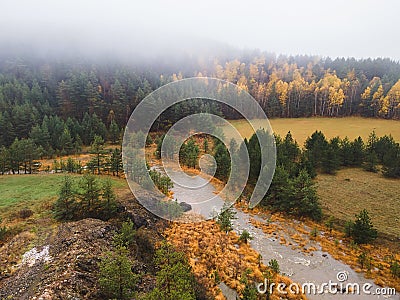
(23, 157)
(292, 189)
(65, 105)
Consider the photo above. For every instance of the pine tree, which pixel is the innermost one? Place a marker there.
(363, 230)
(116, 279)
(225, 217)
(65, 206)
(304, 198)
(330, 161)
(109, 205)
(174, 279)
(316, 147)
(222, 159)
(116, 166)
(4, 160)
(66, 142)
(114, 132)
(90, 195)
(189, 153)
(98, 152)
(205, 145)
(371, 162)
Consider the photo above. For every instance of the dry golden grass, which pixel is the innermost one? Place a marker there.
(351, 190)
(210, 251)
(301, 128)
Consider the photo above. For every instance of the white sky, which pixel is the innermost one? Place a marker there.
(358, 28)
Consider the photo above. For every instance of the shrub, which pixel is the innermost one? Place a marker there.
(314, 232)
(274, 265)
(395, 268)
(25, 213)
(3, 231)
(245, 236)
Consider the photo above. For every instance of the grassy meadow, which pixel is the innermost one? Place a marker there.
(301, 128)
(35, 192)
(351, 190)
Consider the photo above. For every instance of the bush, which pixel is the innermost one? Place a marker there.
(274, 266)
(25, 213)
(3, 231)
(395, 268)
(245, 236)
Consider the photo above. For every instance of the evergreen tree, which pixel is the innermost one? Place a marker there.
(225, 217)
(189, 153)
(98, 152)
(90, 194)
(117, 281)
(245, 236)
(66, 142)
(371, 162)
(316, 149)
(363, 230)
(304, 198)
(279, 190)
(254, 150)
(65, 206)
(205, 145)
(116, 166)
(16, 152)
(358, 152)
(114, 132)
(174, 279)
(4, 160)
(109, 205)
(222, 159)
(330, 161)
(391, 162)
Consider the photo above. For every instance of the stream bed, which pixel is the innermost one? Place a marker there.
(318, 269)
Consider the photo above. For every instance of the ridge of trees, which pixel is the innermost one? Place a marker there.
(62, 107)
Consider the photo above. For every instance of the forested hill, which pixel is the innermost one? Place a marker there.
(79, 98)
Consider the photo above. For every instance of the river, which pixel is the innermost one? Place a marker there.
(318, 268)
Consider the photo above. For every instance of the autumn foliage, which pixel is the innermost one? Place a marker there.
(216, 256)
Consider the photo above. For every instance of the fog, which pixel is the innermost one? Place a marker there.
(142, 29)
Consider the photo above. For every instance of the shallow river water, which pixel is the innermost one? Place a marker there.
(318, 269)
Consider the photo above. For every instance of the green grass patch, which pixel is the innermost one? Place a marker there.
(34, 192)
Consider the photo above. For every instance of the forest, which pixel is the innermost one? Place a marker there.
(56, 107)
